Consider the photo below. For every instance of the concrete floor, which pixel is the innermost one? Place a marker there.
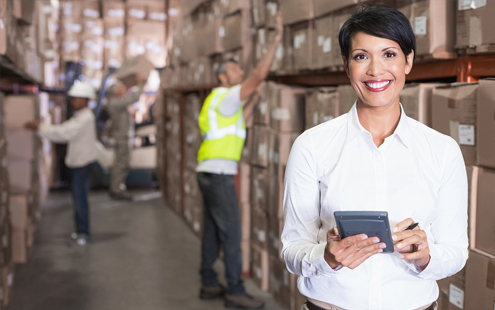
(143, 256)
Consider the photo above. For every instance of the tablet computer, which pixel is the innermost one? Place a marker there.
(371, 223)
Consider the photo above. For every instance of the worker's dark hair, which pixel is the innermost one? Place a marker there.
(379, 21)
(222, 68)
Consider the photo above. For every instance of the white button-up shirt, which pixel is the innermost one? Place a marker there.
(79, 132)
(416, 173)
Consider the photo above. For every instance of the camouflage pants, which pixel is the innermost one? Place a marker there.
(120, 168)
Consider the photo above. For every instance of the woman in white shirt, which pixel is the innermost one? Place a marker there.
(375, 158)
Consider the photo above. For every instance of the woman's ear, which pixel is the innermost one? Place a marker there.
(409, 62)
(346, 66)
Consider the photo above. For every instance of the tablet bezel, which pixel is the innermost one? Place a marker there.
(360, 216)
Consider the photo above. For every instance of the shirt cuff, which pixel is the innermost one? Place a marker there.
(317, 258)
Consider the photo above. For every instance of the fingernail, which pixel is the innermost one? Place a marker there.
(364, 237)
(376, 240)
(399, 245)
(395, 229)
(394, 237)
(380, 251)
(402, 256)
(383, 246)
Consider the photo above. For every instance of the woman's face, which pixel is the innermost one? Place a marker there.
(377, 69)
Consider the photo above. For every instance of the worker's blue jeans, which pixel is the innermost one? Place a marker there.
(222, 227)
(80, 190)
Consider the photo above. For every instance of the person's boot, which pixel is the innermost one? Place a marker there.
(121, 195)
(211, 292)
(243, 301)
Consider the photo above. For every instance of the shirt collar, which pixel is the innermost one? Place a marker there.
(354, 127)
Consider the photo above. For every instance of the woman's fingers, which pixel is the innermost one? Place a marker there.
(355, 250)
(403, 225)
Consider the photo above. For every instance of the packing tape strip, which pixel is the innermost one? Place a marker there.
(490, 275)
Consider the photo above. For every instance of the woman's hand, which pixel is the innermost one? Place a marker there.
(32, 125)
(351, 251)
(412, 244)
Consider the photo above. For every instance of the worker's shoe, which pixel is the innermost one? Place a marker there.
(121, 195)
(79, 239)
(244, 301)
(74, 236)
(211, 292)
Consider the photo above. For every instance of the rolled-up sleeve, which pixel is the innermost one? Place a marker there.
(302, 252)
(448, 231)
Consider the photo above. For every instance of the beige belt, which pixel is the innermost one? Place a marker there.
(324, 305)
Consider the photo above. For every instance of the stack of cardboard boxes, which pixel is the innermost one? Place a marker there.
(6, 263)
(173, 151)
(462, 111)
(193, 200)
(28, 166)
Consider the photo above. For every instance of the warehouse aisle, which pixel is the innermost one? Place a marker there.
(143, 256)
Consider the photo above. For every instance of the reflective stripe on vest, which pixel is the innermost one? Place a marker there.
(219, 133)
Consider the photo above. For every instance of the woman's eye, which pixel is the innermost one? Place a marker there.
(390, 54)
(359, 57)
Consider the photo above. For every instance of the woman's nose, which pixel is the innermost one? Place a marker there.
(375, 68)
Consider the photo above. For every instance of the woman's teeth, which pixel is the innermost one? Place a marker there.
(377, 85)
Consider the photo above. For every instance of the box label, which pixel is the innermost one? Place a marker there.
(327, 45)
(456, 296)
(261, 36)
(420, 25)
(321, 40)
(466, 135)
(471, 4)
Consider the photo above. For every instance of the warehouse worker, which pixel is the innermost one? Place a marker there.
(222, 126)
(122, 126)
(79, 132)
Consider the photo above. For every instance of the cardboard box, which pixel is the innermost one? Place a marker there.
(259, 146)
(416, 100)
(131, 67)
(20, 109)
(322, 104)
(261, 112)
(258, 188)
(136, 10)
(323, 43)
(156, 11)
(452, 291)
(473, 173)
(21, 144)
(275, 226)
(338, 21)
(237, 30)
(486, 123)
(475, 25)
(294, 11)
(347, 98)
(433, 24)
(323, 7)
(286, 112)
(148, 38)
(485, 212)
(302, 36)
(259, 227)
(259, 10)
(212, 39)
(281, 282)
(454, 113)
(238, 5)
(113, 10)
(114, 43)
(480, 279)
(260, 267)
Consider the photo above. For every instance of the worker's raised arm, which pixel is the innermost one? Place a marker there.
(263, 68)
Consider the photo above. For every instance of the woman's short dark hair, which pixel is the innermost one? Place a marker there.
(379, 21)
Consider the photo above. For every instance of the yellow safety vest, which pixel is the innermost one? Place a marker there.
(223, 137)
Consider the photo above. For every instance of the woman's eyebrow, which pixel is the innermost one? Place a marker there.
(359, 49)
(389, 48)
